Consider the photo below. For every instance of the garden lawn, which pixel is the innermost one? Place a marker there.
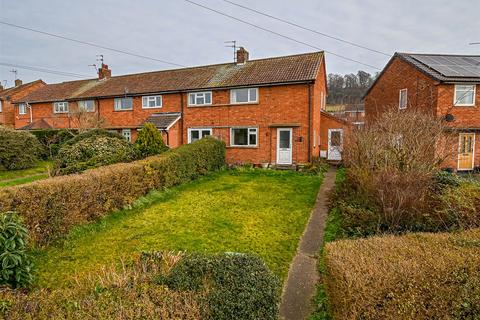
(16, 177)
(255, 211)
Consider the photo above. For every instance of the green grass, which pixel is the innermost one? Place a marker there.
(255, 211)
(332, 232)
(15, 177)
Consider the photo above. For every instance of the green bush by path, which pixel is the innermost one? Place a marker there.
(18, 149)
(91, 152)
(415, 276)
(149, 141)
(15, 263)
(51, 207)
(52, 140)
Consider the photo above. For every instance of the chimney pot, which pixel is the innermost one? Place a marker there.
(104, 72)
(18, 82)
(242, 55)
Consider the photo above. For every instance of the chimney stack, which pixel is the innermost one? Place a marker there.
(104, 72)
(242, 55)
(18, 82)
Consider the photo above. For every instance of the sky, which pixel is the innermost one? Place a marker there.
(182, 33)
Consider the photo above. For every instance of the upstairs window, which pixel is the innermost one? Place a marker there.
(122, 104)
(243, 137)
(200, 98)
(60, 107)
(402, 103)
(151, 102)
(22, 108)
(245, 95)
(86, 105)
(464, 95)
(1, 106)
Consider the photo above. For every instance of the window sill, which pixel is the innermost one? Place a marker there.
(122, 110)
(242, 147)
(465, 106)
(224, 105)
(148, 108)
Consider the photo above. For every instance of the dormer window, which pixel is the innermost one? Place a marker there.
(464, 95)
(60, 107)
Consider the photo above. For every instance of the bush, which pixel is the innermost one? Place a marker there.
(52, 139)
(18, 149)
(51, 207)
(149, 141)
(416, 276)
(16, 265)
(129, 293)
(93, 151)
(93, 133)
(238, 286)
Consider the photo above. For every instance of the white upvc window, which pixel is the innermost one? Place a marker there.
(127, 134)
(60, 107)
(402, 99)
(122, 104)
(195, 134)
(464, 95)
(22, 108)
(244, 95)
(243, 137)
(200, 98)
(86, 105)
(1, 105)
(151, 102)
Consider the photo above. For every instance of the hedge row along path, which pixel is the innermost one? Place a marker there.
(303, 276)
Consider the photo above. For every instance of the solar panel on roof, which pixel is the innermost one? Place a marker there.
(451, 66)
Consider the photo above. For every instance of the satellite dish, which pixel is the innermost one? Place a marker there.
(449, 117)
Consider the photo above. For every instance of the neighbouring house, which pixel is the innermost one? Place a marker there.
(443, 85)
(266, 110)
(9, 95)
(332, 133)
(353, 113)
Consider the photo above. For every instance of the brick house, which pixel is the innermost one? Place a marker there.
(9, 95)
(446, 86)
(266, 110)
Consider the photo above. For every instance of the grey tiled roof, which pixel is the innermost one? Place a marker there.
(163, 120)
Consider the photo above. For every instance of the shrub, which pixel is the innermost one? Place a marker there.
(52, 139)
(16, 270)
(416, 276)
(238, 286)
(18, 149)
(94, 133)
(110, 293)
(149, 141)
(93, 151)
(51, 207)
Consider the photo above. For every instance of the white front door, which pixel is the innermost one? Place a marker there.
(335, 144)
(284, 146)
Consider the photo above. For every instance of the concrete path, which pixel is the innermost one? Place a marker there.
(303, 276)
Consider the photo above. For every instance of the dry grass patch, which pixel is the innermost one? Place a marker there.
(416, 276)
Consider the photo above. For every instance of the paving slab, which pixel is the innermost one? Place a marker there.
(303, 276)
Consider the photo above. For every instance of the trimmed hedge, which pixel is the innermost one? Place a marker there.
(51, 207)
(18, 149)
(239, 286)
(416, 276)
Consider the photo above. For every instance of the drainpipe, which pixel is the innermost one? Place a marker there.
(182, 117)
(31, 111)
(309, 122)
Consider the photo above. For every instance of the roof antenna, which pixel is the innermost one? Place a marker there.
(5, 83)
(234, 46)
(101, 58)
(94, 66)
(14, 71)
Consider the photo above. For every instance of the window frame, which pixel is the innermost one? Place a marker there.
(147, 99)
(121, 99)
(189, 131)
(63, 103)
(233, 96)
(248, 145)
(84, 101)
(129, 139)
(1, 106)
(20, 107)
(190, 94)
(456, 104)
(405, 90)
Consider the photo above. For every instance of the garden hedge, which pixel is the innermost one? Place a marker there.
(51, 207)
(415, 276)
(18, 149)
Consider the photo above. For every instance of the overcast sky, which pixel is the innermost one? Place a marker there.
(182, 33)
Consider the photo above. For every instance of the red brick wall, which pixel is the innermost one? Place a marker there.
(7, 116)
(330, 122)
(319, 91)
(421, 90)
